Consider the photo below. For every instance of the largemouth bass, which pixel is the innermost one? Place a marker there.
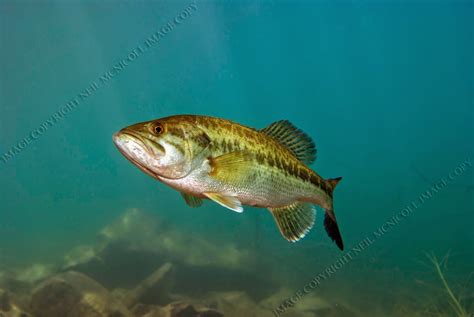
(234, 165)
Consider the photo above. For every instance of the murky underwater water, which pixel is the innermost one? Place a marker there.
(385, 89)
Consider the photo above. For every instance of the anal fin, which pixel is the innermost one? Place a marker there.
(295, 220)
(192, 201)
(227, 201)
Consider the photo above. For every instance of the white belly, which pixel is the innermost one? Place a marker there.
(261, 192)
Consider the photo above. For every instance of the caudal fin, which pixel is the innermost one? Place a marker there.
(330, 223)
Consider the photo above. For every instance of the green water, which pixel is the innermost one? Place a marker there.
(385, 88)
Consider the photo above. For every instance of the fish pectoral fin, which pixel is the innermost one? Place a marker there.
(227, 201)
(231, 166)
(295, 140)
(191, 200)
(295, 220)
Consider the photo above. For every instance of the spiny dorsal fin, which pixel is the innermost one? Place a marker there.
(192, 201)
(294, 139)
(295, 220)
(227, 201)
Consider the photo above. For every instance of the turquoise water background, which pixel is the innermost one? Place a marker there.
(385, 88)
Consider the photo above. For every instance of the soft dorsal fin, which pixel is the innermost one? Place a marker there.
(294, 139)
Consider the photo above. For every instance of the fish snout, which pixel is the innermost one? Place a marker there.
(132, 143)
(116, 137)
(121, 138)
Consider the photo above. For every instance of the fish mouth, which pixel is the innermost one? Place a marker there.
(126, 135)
(122, 139)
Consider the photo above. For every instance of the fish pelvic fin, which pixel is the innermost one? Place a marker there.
(330, 222)
(192, 201)
(294, 221)
(227, 201)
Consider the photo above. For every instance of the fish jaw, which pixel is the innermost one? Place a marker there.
(138, 151)
(161, 154)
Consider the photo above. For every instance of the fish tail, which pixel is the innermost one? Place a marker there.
(330, 223)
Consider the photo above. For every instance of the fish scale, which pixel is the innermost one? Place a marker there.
(260, 143)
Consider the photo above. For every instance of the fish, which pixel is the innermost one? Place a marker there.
(233, 165)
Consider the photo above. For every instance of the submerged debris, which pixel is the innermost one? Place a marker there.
(133, 296)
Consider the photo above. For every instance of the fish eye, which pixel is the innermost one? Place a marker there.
(158, 129)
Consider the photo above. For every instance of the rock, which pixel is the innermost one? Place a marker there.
(235, 304)
(131, 248)
(15, 288)
(14, 294)
(80, 255)
(35, 273)
(307, 306)
(175, 309)
(4, 301)
(73, 294)
(309, 302)
(9, 307)
(340, 310)
(134, 225)
(142, 310)
(140, 231)
(9, 281)
(137, 243)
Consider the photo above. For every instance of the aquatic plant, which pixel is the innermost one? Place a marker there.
(454, 301)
